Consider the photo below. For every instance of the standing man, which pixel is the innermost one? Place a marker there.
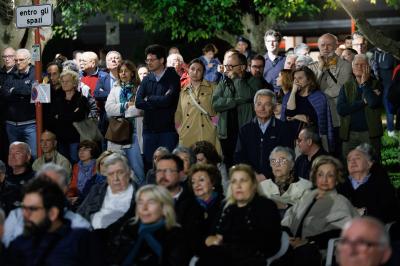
(8, 57)
(158, 96)
(243, 45)
(332, 73)
(257, 64)
(273, 62)
(261, 135)
(90, 71)
(103, 88)
(363, 241)
(232, 99)
(20, 112)
(358, 103)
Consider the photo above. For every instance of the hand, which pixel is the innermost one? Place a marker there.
(214, 240)
(210, 65)
(72, 200)
(366, 74)
(302, 118)
(361, 211)
(377, 92)
(281, 206)
(297, 242)
(131, 104)
(296, 88)
(220, 69)
(260, 177)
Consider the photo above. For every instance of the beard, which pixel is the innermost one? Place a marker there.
(36, 230)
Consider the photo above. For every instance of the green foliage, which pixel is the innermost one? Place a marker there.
(390, 153)
(189, 19)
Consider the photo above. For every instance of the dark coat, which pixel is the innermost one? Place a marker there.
(65, 246)
(174, 248)
(16, 91)
(20, 179)
(10, 196)
(250, 234)
(159, 100)
(103, 88)
(253, 147)
(377, 195)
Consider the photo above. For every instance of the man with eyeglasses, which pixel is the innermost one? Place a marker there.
(232, 99)
(16, 92)
(8, 57)
(261, 135)
(365, 242)
(48, 238)
(158, 96)
(90, 72)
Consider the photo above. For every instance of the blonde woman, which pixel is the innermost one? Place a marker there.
(152, 237)
(194, 111)
(248, 231)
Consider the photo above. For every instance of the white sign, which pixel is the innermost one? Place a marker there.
(40, 93)
(34, 16)
(35, 53)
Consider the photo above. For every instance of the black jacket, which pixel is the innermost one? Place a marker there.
(254, 147)
(159, 100)
(10, 196)
(16, 91)
(174, 248)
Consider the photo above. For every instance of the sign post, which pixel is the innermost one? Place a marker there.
(36, 16)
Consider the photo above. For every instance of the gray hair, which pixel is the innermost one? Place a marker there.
(331, 36)
(273, 33)
(186, 150)
(170, 58)
(24, 145)
(163, 150)
(3, 168)
(310, 133)
(89, 55)
(384, 239)
(291, 156)
(113, 52)
(74, 75)
(70, 65)
(265, 92)
(25, 52)
(52, 167)
(118, 158)
(360, 56)
(367, 150)
(305, 59)
(357, 34)
(300, 47)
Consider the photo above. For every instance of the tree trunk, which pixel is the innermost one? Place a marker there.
(374, 36)
(10, 36)
(251, 31)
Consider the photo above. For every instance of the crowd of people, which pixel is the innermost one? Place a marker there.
(201, 163)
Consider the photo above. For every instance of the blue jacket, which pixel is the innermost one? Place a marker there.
(67, 247)
(17, 94)
(254, 147)
(211, 73)
(103, 88)
(159, 100)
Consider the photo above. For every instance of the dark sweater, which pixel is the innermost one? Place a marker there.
(302, 166)
(159, 100)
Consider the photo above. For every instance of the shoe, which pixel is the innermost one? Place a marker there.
(391, 134)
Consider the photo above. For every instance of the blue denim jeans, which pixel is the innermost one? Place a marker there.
(151, 141)
(135, 160)
(25, 133)
(388, 108)
(69, 151)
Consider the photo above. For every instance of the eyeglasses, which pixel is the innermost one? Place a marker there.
(8, 56)
(150, 60)
(280, 161)
(21, 59)
(167, 171)
(231, 66)
(31, 208)
(359, 244)
(258, 67)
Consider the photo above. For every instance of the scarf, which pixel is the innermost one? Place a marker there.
(85, 173)
(145, 234)
(128, 91)
(208, 203)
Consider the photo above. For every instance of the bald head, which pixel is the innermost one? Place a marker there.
(365, 242)
(89, 61)
(327, 44)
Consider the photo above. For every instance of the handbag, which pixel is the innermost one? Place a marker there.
(88, 130)
(119, 130)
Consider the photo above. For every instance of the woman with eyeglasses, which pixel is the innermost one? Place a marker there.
(248, 231)
(194, 111)
(319, 215)
(284, 188)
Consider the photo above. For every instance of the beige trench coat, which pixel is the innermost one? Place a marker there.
(193, 124)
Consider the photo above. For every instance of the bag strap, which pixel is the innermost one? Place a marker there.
(198, 106)
(332, 76)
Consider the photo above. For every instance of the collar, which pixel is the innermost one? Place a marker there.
(177, 195)
(159, 77)
(95, 73)
(357, 183)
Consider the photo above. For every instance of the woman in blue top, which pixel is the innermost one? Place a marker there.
(211, 63)
(306, 105)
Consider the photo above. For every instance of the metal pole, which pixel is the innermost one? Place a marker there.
(353, 26)
(38, 105)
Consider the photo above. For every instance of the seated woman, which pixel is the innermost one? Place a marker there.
(206, 153)
(82, 172)
(285, 188)
(152, 237)
(307, 105)
(248, 231)
(320, 214)
(108, 202)
(205, 182)
(370, 191)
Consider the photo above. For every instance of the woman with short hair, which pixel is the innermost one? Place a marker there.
(248, 231)
(152, 237)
